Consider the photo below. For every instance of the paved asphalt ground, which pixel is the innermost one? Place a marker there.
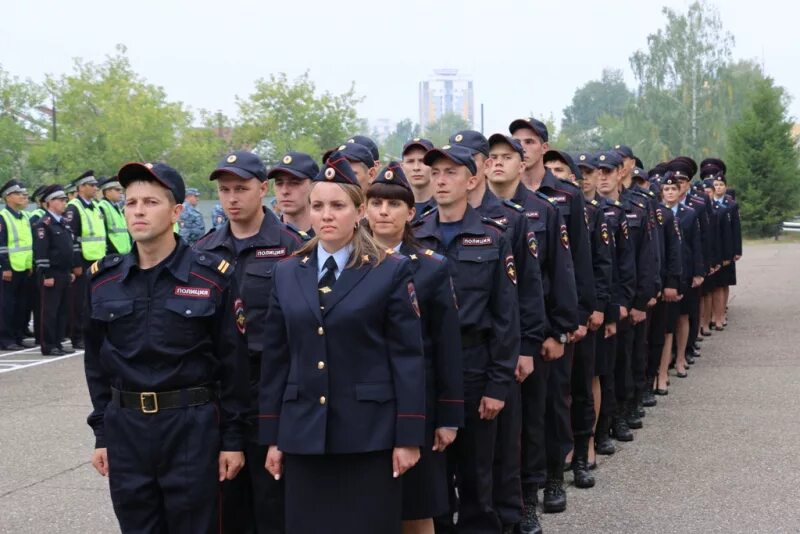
(719, 454)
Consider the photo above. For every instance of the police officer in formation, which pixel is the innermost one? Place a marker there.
(191, 224)
(419, 348)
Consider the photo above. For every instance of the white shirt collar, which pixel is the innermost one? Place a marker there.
(341, 257)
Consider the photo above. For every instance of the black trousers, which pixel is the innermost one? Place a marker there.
(693, 302)
(623, 376)
(77, 324)
(253, 502)
(583, 367)
(657, 331)
(639, 356)
(53, 310)
(507, 490)
(164, 469)
(14, 301)
(473, 453)
(557, 424)
(607, 348)
(534, 393)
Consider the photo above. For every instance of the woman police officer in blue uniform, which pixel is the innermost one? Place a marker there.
(390, 208)
(342, 395)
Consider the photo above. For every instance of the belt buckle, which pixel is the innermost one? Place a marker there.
(148, 402)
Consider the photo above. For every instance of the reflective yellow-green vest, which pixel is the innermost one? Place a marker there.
(93, 231)
(116, 227)
(38, 212)
(20, 241)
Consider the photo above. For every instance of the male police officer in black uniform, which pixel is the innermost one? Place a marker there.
(166, 365)
(254, 240)
(52, 256)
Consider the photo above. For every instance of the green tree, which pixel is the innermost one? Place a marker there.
(21, 124)
(283, 115)
(607, 96)
(763, 163)
(199, 148)
(440, 130)
(677, 72)
(392, 147)
(107, 115)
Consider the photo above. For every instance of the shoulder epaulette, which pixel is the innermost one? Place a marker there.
(429, 253)
(492, 222)
(594, 202)
(513, 205)
(640, 193)
(547, 198)
(567, 182)
(422, 217)
(104, 263)
(617, 203)
(215, 263)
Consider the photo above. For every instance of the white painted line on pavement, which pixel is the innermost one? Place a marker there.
(46, 359)
(23, 351)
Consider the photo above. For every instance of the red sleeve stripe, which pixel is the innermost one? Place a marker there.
(411, 415)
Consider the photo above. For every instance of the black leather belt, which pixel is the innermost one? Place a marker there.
(152, 402)
(474, 338)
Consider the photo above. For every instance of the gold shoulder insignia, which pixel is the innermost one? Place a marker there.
(223, 266)
(428, 252)
(94, 268)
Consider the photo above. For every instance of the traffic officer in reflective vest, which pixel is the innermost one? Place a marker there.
(52, 253)
(37, 199)
(16, 262)
(481, 264)
(254, 240)
(166, 366)
(85, 220)
(119, 240)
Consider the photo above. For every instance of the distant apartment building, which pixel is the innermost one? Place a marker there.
(445, 92)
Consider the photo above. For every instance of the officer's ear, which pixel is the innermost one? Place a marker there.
(472, 181)
(177, 209)
(263, 188)
(372, 173)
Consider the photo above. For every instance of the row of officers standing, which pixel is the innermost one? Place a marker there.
(415, 348)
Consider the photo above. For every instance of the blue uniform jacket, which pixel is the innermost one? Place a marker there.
(692, 249)
(349, 378)
(183, 330)
(624, 260)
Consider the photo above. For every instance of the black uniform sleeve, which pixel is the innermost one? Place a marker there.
(504, 310)
(672, 250)
(447, 360)
(698, 265)
(41, 248)
(601, 260)
(5, 262)
(532, 318)
(274, 369)
(626, 261)
(581, 258)
(72, 220)
(230, 348)
(406, 357)
(97, 379)
(562, 303)
(646, 268)
(736, 226)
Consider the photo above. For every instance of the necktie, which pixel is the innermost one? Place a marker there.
(325, 284)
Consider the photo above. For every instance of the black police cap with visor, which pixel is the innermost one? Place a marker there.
(538, 127)
(460, 155)
(241, 163)
(368, 143)
(471, 139)
(297, 164)
(417, 142)
(498, 138)
(160, 173)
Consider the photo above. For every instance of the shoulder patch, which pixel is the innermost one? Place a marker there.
(492, 222)
(430, 254)
(513, 205)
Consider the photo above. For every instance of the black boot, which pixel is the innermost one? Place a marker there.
(620, 430)
(530, 521)
(648, 397)
(580, 460)
(632, 416)
(555, 498)
(602, 442)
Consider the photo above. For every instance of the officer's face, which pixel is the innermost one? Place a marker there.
(684, 185)
(113, 194)
(627, 165)
(451, 182)
(670, 193)
(589, 183)
(480, 165)
(560, 170)
(292, 193)
(504, 164)
(192, 199)
(720, 188)
(149, 212)
(240, 199)
(88, 191)
(17, 200)
(57, 205)
(533, 145)
(364, 174)
(334, 215)
(607, 180)
(387, 218)
(418, 174)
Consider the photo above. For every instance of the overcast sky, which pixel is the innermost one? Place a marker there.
(524, 56)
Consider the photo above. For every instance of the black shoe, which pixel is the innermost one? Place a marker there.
(633, 419)
(26, 344)
(530, 521)
(555, 498)
(580, 471)
(54, 352)
(640, 410)
(12, 346)
(67, 351)
(648, 399)
(661, 391)
(78, 345)
(620, 430)
(602, 442)
(681, 375)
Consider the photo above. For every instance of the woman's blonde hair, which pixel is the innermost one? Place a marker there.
(364, 246)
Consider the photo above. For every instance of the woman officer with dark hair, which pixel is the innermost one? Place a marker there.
(342, 393)
(390, 208)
